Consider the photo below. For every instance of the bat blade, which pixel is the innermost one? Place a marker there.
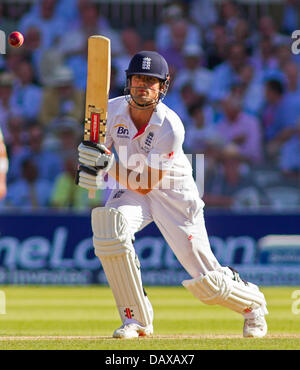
(97, 90)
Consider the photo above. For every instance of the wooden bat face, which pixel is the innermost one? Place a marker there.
(97, 91)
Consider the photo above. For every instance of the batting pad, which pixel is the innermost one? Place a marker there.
(114, 248)
(216, 287)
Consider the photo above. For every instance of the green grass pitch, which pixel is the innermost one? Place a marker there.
(60, 318)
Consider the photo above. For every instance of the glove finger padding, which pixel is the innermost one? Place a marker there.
(85, 150)
(86, 161)
(89, 178)
(100, 147)
(95, 155)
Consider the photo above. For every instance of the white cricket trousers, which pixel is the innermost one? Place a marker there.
(178, 216)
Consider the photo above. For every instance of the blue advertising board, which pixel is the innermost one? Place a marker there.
(56, 248)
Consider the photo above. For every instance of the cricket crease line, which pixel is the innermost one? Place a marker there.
(159, 337)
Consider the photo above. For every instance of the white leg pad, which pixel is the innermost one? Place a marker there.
(113, 246)
(218, 287)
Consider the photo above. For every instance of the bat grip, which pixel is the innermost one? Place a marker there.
(92, 194)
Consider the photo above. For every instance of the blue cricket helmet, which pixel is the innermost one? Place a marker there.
(149, 63)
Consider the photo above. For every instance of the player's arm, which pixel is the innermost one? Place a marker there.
(3, 167)
(140, 182)
(95, 158)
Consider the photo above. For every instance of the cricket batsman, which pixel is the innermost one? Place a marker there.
(160, 189)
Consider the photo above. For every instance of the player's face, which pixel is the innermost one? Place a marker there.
(144, 89)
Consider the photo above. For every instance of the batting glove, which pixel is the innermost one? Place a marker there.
(95, 155)
(89, 178)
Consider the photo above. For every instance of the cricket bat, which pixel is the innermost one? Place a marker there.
(97, 90)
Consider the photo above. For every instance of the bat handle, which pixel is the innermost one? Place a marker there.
(92, 194)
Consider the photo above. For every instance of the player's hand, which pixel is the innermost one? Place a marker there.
(89, 178)
(95, 155)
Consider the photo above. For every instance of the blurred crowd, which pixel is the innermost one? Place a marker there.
(234, 83)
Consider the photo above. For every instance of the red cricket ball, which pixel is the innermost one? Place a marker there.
(16, 39)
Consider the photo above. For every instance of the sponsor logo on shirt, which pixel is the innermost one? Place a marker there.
(122, 131)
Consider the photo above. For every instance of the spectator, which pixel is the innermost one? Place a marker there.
(229, 16)
(232, 186)
(188, 97)
(174, 26)
(241, 129)
(13, 58)
(217, 45)
(115, 89)
(292, 78)
(103, 22)
(16, 136)
(284, 55)
(66, 194)
(286, 143)
(227, 73)
(34, 50)
(132, 42)
(173, 98)
(202, 128)
(211, 54)
(194, 72)
(203, 13)
(77, 63)
(281, 108)
(74, 42)
(7, 24)
(281, 122)
(290, 17)
(27, 95)
(45, 20)
(48, 163)
(242, 34)
(67, 134)
(249, 89)
(273, 106)
(179, 38)
(267, 29)
(68, 10)
(73, 45)
(264, 58)
(7, 108)
(30, 191)
(61, 98)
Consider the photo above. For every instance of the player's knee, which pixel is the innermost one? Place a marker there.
(111, 235)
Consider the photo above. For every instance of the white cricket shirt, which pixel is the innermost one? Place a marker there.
(159, 144)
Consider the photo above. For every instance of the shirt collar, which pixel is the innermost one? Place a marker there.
(157, 117)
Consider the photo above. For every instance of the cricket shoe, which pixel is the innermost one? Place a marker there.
(255, 326)
(132, 330)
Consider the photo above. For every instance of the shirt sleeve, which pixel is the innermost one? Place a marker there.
(108, 137)
(3, 156)
(108, 140)
(165, 150)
